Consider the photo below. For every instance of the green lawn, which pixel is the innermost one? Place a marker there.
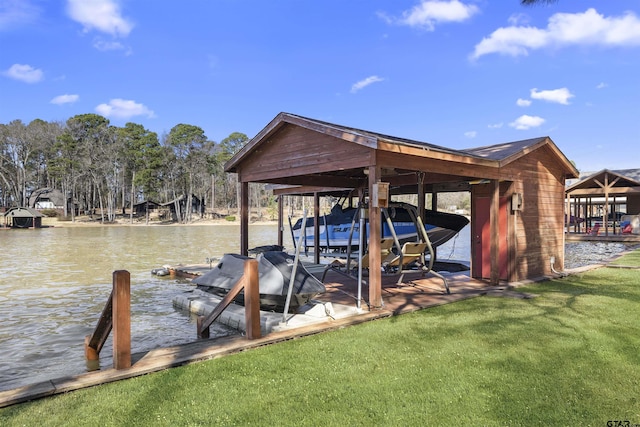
(570, 356)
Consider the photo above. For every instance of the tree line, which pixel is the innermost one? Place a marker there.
(107, 169)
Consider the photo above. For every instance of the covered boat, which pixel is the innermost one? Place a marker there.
(274, 273)
(336, 228)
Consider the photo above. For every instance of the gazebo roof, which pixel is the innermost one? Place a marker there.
(626, 180)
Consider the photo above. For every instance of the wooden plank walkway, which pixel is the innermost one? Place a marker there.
(414, 294)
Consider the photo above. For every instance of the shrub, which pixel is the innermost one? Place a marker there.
(230, 217)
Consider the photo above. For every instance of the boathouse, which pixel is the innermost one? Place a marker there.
(599, 202)
(517, 188)
(23, 218)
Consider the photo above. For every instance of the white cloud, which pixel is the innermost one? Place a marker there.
(64, 99)
(495, 126)
(428, 13)
(25, 73)
(14, 13)
(123, 109)
(523, 102)
(563, 29)
(601, 85)
(107, 45)
(560, 96)
(365, 82)
(518, 19)
(100, 15)
(471, 134)
(525, 122)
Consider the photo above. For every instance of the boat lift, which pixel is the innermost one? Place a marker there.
(422, 237)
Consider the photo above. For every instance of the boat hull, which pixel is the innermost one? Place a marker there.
(336, 228)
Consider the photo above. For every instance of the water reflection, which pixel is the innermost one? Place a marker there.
(54, 283)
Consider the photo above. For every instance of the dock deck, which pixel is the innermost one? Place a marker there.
(415, 293)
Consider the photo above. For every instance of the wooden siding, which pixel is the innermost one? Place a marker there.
(536, 232)
(539, 226)
(295, 151)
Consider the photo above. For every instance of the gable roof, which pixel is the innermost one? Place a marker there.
(346, 133)
(495, 156)
(617, 179)
(22, 212)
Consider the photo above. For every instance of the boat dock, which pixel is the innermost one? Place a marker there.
(335, 309)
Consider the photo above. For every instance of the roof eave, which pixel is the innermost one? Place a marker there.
(572, 172)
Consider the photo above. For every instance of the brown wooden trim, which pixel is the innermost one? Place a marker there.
(600, 192)
(375, 258)
(494, 216)
(430, 153)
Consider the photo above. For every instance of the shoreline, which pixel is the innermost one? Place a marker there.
(52, 222)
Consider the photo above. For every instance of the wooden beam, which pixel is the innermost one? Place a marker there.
(326, 180)
(600, 192)
(486, 170)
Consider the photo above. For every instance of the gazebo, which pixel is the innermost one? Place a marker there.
(517, 188)
(598, 197)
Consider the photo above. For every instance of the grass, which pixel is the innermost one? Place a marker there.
(570, 356)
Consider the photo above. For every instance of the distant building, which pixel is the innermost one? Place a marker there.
(23, 218)
(47, 198)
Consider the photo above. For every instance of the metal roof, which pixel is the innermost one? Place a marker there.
(23, 212)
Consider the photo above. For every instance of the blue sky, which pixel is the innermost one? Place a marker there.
(457, 73)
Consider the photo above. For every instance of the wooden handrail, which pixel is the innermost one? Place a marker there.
(93, 343)
(248, 282)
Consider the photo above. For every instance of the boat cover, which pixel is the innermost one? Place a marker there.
(274, 273)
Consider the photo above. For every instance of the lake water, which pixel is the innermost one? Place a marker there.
(54, 283)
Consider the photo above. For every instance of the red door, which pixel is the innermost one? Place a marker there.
(481, 256)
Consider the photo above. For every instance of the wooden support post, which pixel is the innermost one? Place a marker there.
(244, 218)
(316, 228)
(375, 234)
(494, 216)
(280, 220)
(252, 299)
(121, 319)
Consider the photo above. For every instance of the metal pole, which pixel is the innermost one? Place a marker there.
(294, 270)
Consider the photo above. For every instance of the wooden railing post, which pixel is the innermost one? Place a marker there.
(252, 300)
(121, 319)
(248, 282)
